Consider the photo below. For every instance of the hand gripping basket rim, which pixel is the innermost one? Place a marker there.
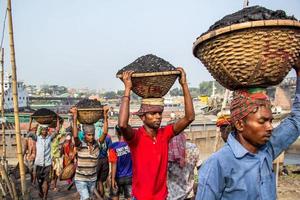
(89, 115)
(145, 74)
(240, 26)
(143, 82)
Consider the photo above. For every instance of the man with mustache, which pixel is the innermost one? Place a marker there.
(149, 143)
(243, 168)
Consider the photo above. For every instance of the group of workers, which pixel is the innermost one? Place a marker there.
(157, 163)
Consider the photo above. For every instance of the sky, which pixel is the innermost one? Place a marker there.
(83, 43)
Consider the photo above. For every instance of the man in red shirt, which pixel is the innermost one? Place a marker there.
(149, 143)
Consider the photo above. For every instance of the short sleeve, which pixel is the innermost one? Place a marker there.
(112, 156)
(134, 140)
(168, 131)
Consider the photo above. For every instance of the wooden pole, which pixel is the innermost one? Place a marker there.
(15, 100)
(2, 110)
(5, 177)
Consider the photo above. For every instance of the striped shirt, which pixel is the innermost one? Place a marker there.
(87, 160)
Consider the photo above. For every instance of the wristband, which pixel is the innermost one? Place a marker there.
(126, 97)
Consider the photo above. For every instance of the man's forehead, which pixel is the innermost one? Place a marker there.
(262, 112)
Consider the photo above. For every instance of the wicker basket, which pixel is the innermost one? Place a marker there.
(250, 54)
(153, 84)
(46, 119)
(89, 115)
(68, 172)
(54, 122)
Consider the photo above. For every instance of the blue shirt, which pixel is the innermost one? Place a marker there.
(234, 173)
(124, 162)
(104, 146)
(43, 151)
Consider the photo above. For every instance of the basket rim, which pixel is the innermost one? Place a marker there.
(245, 25)
(146, 74)
(89, 109)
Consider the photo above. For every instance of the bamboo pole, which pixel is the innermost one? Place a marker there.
(15, 100)
(2, 190)
(5, 177)
(2, 110)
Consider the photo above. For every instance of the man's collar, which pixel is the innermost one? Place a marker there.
(237, 148)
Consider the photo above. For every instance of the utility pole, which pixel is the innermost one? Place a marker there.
(15, 100)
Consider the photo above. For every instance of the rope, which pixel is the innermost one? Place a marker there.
(3, 30)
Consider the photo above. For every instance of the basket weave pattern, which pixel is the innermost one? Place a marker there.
(89, 116)
(258, 56)
(153, 86)
(68, 172)
(47, 119)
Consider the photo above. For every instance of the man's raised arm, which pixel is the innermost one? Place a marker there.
(189, 113)
(124, 108)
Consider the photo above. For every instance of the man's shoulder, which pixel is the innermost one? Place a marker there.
(223, 156)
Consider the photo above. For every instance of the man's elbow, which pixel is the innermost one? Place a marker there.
(123, 125)
(190, 118)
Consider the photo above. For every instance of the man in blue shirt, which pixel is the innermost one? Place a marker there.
(121, 168)
(103, 165)
(43, 159)
(242, 169)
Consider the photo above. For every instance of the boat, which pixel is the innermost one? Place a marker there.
(8, 96)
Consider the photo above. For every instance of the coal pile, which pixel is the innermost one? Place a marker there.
(148, 63)
(43, 112)
(253, 13)
(88, 103)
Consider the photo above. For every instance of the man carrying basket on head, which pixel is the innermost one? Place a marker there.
(87, 155)
(43, 159)
(243, 168)
(149, 143)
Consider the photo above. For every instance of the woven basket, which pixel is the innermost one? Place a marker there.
(250, 54)
(54, 122)
(46, 119)
(153, 84)
(89, 115)
(68, 172)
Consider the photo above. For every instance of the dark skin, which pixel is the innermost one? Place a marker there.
(33, 130)
(256, 128)
(224, 132)
(114, 184)
(152, 120)
(43, 193)
(89, 137)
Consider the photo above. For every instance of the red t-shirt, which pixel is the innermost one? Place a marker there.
(150, 162)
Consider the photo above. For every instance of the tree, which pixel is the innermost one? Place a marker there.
(176, 92)
(205, 88)
(110, 95)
